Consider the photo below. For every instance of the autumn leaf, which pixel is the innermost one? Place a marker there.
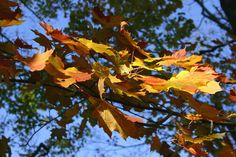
(101, 86)
(141, 64)
(68, 115)
(7, 69)
(194, 149)
(42, 40)
(180, 59)
(227, 150)
(189, 81)
(22, 44)
(162, 148)
(98, 48)
(111, 119)
(107, 21)
(58, 133)
(232, 95)
(65, 77)
(193, 117)
(37, 62)
(7, 16)
(206, 111)
(199, 140)
(70, 42)
(127, 41)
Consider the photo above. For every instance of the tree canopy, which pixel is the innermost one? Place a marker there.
(139, 68)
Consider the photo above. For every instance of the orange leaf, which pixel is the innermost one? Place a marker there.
(227, 150)
(65, 77)
(37, 62)
(70, 42)
(196, 150)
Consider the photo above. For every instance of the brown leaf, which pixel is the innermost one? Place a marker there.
(232, 95)
(208, 112)
(227, 150)
(58, 133)
(162, 148)
(68, 115)
(22, 44)
(4, 149)
(7, 69)
(128, 42)
(107, 21)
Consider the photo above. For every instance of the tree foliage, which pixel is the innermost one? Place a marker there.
(98, 72)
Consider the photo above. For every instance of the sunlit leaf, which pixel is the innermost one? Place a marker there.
(37, 62)
(111, 119)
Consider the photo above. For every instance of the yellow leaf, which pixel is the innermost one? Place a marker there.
(98, 48)
(111, 119)
(10, 22)
(197, 79)
(65, 77)
(101, 86)
(193, 117)
(140, 63)
(200, 140)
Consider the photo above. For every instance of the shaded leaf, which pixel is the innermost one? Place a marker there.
(107, 21)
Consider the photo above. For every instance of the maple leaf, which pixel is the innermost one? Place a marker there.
(126, 39)
(42, 40)
(70, 42)
(194, 149)
(227, 150)
(107, 21)
(7, 16)
(179, 58)
(22, 44)
(68, 115)
(140, 63)
(7, 69)
(206, 111)
(111, 119)
(65, 77)
(191, 81)
(98, 48)
(232, 95)
(193, 117)
(199, 140)
(162, 148)
(37, 62)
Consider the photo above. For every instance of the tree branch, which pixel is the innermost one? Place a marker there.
(212, 17)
